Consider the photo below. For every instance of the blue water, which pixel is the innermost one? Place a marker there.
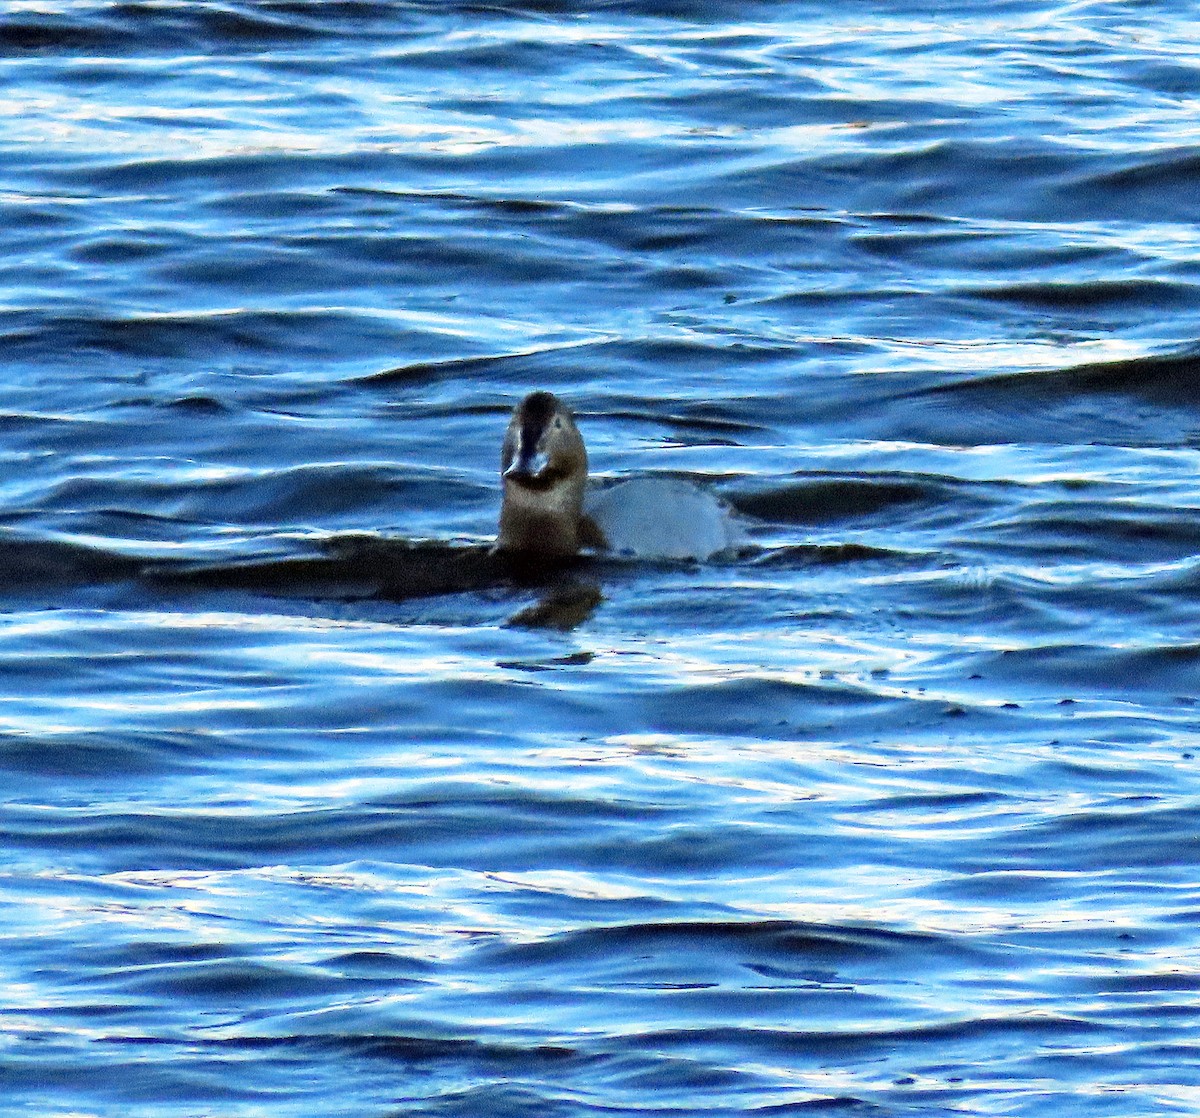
(307, 809)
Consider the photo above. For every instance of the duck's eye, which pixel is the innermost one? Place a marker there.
(557, 423)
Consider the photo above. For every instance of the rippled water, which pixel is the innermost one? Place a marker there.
(310, 808)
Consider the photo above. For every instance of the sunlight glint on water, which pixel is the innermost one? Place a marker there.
(894, 810)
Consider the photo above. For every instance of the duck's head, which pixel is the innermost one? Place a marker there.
(544, 466)
(542, 447)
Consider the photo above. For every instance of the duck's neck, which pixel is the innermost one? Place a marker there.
(544, 522)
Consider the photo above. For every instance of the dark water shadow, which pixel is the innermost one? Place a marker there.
(366, 568)
(356, 567)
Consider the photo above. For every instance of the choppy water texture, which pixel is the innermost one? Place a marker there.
(309, 808)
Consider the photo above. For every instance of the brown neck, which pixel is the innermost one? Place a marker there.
(525, 527)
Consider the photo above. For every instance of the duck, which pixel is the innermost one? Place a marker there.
(548, 510)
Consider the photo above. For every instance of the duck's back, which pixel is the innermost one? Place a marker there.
(663, 518)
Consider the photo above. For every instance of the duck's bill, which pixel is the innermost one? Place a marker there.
(528, 467)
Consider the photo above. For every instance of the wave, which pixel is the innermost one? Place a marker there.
(1167, 378)
(128, 27)
(779, 949)
(1101, 671)
(28, 562)
(819, 498)
(47, 337)
(112, 758)
(1089, 295)
(1150, 185)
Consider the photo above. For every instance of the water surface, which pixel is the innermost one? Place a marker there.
(309, 808)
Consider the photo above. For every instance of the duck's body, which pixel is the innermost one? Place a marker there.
(544, 467)
(662, 518)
